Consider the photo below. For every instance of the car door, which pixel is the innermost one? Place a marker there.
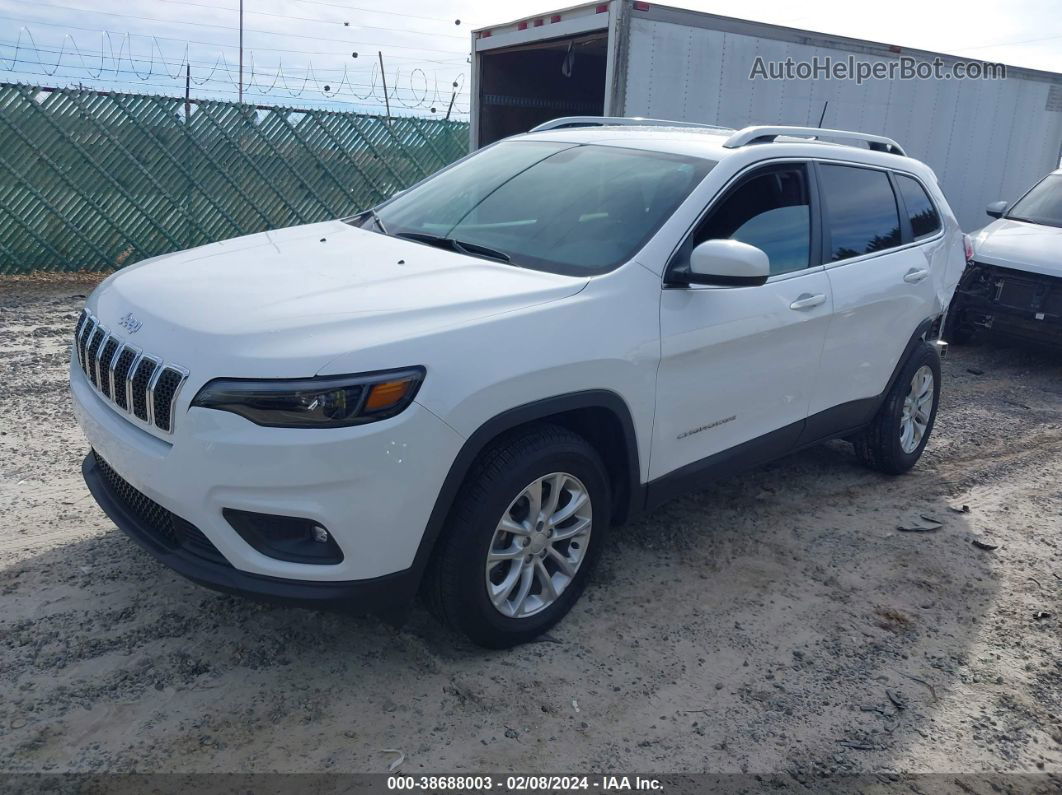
(738, 363)
(878, 260)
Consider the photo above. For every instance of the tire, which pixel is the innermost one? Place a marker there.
(501, 485)
(883, 445)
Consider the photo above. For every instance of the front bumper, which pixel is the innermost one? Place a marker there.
(389, 594)
(373, 487)
(1018, 303)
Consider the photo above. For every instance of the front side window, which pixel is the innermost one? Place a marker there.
(1041, 205)
(861, 211)
(922, 213)
(560, 207)
(769, 209)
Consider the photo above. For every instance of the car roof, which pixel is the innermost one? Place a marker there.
(709, 143)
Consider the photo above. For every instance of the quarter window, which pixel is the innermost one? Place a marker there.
(861, 211)
(921, 211)
(771, 210)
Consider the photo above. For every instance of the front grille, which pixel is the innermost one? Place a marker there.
(93, 354)
(167, 528)
(136, 382)
(193, 540)
(153, 516)
(106, 354)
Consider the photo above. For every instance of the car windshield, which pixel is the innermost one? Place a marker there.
(1041, 205)
(559, 207)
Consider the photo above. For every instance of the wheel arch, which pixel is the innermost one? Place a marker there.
(925, 331)
(599, 415)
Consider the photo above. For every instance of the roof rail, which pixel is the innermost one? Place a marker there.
(754, 135)
(627, 121)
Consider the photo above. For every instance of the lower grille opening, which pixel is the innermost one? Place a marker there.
(167, 528)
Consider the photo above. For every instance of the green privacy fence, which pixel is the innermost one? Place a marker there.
(95, 180)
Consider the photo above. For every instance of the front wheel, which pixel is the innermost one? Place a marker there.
(896, 437)
(525, 530)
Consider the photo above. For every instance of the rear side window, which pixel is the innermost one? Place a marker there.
(770, 209)
(925, 220)
(861, 211)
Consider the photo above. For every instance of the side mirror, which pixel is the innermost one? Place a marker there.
(728, 263)
(996, 209)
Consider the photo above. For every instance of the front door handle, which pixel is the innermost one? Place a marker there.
(915, 275)
(807, 301)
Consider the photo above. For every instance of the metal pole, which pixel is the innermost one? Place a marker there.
(453, 96)
(241, 52)
(188, 225)
(383, 77)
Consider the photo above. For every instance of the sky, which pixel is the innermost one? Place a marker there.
(324, 53)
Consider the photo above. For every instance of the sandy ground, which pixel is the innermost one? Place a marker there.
(777, 622)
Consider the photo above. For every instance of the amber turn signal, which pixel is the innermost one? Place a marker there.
(387, 393)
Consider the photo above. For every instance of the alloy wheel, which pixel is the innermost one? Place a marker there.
(917, 409)
(538, 545)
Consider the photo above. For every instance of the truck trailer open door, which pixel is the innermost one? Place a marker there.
(536, 69)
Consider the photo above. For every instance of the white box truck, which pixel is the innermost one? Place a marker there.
(986, 139)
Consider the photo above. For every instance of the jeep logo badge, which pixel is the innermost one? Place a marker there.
(130, 323)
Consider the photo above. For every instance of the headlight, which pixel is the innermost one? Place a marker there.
(327, 402)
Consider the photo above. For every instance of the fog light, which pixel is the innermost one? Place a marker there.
(293, 538)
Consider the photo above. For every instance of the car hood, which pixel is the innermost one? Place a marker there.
(288, 301)
(1020, 245)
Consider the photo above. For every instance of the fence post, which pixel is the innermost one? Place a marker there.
(188, 223)
(383, 79)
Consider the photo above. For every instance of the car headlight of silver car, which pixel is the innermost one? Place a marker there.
(323, 402)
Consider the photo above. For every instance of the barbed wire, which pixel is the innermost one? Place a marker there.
(66, 26)
(320, 21)
(409, 88)
(200, 24)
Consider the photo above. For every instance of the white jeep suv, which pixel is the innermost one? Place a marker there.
(461, 391)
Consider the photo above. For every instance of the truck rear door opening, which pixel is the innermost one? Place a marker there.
(525, 85)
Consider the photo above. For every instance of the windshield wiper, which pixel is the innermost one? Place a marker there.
(371, 212)
(460, 246)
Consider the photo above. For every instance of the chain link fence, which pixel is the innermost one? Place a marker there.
(94, 180)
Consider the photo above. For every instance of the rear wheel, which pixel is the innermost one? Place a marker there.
(524, 532)
(898, 434)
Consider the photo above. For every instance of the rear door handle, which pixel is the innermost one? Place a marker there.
(807, 301)
(915, 275)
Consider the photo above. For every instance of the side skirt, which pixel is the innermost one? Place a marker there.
(838, 422)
